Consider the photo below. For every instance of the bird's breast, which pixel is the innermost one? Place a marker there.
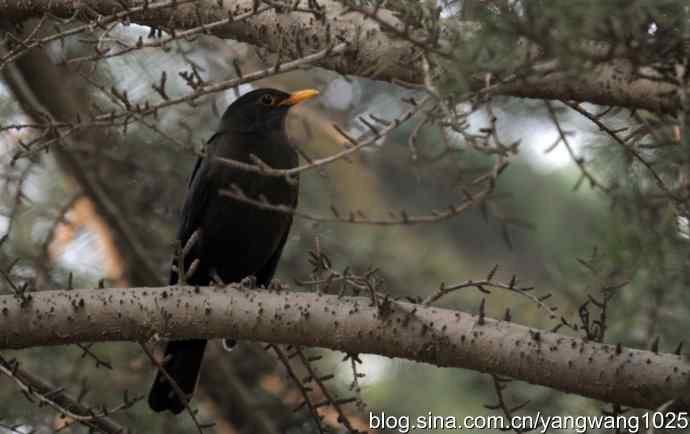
(239, 238)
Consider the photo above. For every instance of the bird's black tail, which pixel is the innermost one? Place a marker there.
(183, 365)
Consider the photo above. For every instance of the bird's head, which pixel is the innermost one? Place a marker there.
(262, 109)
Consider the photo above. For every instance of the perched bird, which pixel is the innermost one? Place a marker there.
(233, 239)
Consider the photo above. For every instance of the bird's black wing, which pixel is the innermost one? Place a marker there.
(196, 168)
(193, 209)
(265, 274)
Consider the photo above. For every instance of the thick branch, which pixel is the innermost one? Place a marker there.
(350, 324)
(372, 52)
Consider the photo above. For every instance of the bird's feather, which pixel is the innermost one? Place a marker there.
(235, 240)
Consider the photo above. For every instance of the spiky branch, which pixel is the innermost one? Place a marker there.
(381, 45)
(353, 325)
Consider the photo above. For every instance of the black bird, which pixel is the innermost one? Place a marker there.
(234, 239)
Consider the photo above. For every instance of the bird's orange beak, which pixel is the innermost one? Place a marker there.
(299, 96)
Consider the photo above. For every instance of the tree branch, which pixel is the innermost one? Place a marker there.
(60, 400)
(380, 46)
(351, 324)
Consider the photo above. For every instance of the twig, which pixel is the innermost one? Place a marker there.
(61, 402)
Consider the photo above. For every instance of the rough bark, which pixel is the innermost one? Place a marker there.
(373, 52)
(351, 324)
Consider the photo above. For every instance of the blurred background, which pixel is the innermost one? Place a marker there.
(547, 227)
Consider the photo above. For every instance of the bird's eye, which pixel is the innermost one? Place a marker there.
(267, 100)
